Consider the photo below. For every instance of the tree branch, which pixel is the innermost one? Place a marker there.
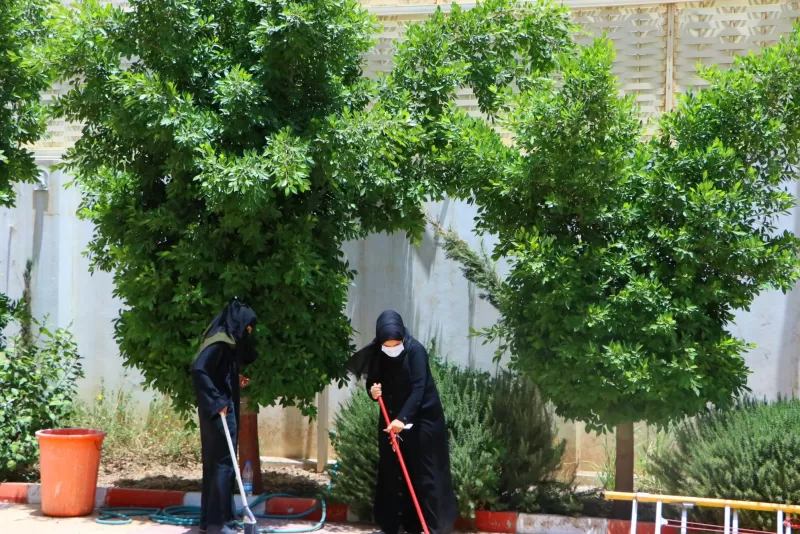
(477, 266)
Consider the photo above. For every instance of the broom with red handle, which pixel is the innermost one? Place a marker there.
(396, 448)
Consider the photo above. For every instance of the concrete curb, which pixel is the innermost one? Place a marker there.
(493, 522)
(557, 524)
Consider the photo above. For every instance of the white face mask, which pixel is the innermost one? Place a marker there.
(393, 352)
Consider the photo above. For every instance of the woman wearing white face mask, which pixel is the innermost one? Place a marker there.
(397, 369)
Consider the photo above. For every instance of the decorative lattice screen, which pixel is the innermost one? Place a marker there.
(658, 45)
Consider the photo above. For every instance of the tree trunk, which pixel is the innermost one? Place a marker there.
(248, 444)
(623, 478)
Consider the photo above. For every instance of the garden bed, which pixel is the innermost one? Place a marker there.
(123, 473)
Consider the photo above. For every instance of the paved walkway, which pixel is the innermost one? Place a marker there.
(24, 519)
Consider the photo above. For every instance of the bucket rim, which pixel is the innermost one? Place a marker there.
(70, 433)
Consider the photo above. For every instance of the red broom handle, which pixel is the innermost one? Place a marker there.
(396, 447)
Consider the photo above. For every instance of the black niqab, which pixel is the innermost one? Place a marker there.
(225, 346)
(233, 321)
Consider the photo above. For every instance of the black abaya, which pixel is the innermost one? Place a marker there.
(216, 378)
(410, 395)
(215, 373)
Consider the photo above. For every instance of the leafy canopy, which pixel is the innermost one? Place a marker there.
(230, 148)
(22, 119)
(629, 258)
(210, 165)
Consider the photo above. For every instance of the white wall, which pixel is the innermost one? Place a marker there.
(772, 324)
(43, 227)
(416, 281)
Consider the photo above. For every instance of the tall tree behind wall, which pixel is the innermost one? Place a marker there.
(629, 258)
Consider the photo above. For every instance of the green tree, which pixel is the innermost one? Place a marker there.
(226, 152)
(231, 148)
(629, 258)
(632, 257)
(478, 267)
(22, 117)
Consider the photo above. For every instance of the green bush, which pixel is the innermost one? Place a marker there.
(503, 450)
(39, 385)
(746, 453)
(474, 452)
(530, 454)
(356, 449)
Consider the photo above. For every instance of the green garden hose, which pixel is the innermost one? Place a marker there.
(122, 515)
(187, 516)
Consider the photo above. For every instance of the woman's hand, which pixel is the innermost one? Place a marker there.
(376, 391)
(243, 381)
(396, 427)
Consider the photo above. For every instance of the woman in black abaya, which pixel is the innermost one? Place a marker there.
(226, 347)
(397, 369)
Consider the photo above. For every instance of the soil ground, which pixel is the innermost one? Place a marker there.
(131, 473)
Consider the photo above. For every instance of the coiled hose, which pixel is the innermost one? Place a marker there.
(187, 516)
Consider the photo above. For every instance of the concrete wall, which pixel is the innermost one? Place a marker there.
(773, 325)
(43, 227)
(417, 281)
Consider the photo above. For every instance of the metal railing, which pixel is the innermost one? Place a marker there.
(731, 522)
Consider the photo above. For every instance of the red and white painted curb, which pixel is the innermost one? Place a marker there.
(494, 522)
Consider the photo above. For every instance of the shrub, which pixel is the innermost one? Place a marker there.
(474, 452)
(530, 454)
(747, 453)
(39, 385)
(503, 451)
(356, 449)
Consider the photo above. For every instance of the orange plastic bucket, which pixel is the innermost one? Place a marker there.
(69, 460)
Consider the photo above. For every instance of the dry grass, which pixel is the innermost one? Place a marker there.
(155, 449)
(158, 436)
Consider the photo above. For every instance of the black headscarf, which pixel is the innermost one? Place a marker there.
(230, 327)
(388, 327)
